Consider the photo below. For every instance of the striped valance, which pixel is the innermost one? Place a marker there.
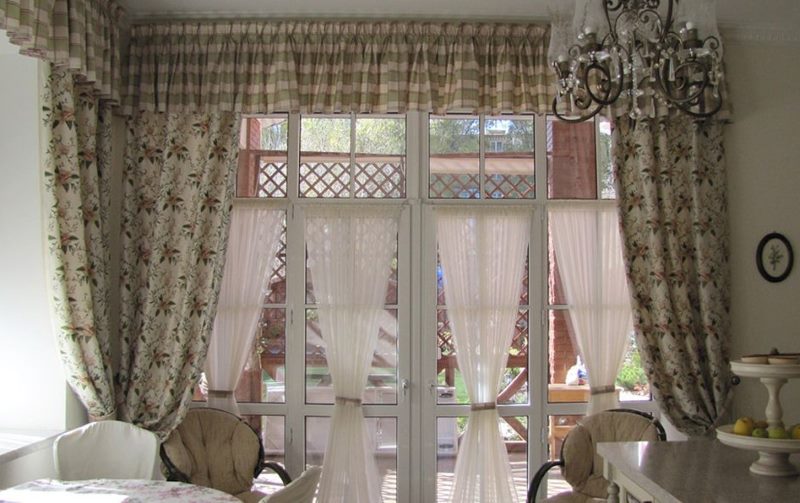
(82, 35)
(263, 67)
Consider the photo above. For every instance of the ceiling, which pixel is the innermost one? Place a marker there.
(761, 14)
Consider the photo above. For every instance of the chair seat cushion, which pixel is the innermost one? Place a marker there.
(583, 468)
(215, 449)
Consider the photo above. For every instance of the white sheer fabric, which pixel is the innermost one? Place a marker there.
(588, 251)
(253, 242)
(350, 250)
(483, 255)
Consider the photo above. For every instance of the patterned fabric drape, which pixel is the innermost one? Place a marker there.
(178, 189)
(262, 67)
(81, 35)
(76, 180)
(673, 211)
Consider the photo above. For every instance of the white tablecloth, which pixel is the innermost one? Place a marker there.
(112, 491)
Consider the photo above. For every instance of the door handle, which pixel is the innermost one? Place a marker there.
(404, 385)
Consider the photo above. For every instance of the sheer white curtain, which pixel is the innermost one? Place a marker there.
(350, 250)
(482, 252)
(253, 242)
(587, 245)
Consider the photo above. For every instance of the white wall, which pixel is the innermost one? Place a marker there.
(32, 384)
(763, 158)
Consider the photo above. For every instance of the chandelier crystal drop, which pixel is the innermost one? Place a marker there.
(638, 57)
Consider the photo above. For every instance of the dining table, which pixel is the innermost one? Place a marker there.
(112, 491)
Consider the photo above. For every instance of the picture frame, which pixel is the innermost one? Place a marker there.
(774, 257)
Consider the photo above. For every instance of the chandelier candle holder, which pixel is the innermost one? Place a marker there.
(641, 58)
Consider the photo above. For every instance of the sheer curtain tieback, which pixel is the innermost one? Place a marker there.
(483, 406)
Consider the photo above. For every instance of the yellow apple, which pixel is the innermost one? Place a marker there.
(796, 432)
(777, 432)
(743, 426)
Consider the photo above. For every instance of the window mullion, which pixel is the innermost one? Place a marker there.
(482, 157)
(295, 341)
(352, 155)
(293, 157)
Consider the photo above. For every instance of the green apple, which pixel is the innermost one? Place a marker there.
(777, 432)
(760, 433)
(795, 432)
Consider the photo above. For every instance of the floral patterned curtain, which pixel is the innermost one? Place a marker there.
(308, 67)
(673, 212)
(178, 190)
(76, 180)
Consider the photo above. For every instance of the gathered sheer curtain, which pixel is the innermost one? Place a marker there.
(253, 243)
(350, 250)
(482, 253)
(588, 251)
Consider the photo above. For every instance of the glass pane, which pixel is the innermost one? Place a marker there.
(263, 378)
(382, 432)
(271, 431)
(454, 158)
(391, 288)
(509, 157)
(380, 135)
(271, 352)
(567, 378)
(514, 386)
(277, 282)
(604, 165)
(571, 160)
(632, 380)
(451, 387)
(381, 382)
(272, 175)
(558, 427)
(325, 157)
(448, 435)
(555, 289)
(380, 157)
(262, 160)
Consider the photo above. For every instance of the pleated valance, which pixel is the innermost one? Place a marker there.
(82, 35)
(326, 67)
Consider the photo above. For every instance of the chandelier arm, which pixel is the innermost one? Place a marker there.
(608, 99)
(582, 118)
(669, 19)
(664, 89)
(701, 115)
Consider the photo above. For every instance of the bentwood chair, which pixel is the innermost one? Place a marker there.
(106, 450)
(580, 465)
(217, 449)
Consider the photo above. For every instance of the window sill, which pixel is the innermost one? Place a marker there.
(17, 443)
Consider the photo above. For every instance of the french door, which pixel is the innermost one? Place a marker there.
(415, 401)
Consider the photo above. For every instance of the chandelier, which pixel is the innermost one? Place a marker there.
(638, 57)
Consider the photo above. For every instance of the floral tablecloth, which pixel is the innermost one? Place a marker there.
(112, 491)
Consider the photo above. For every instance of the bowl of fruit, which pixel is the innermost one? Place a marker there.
(774, 444)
